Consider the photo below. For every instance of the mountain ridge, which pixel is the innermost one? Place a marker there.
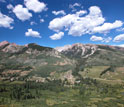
(69, 46)
(33, 62)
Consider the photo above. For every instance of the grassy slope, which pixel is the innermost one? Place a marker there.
(94, 72)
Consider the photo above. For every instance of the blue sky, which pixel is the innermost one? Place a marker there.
(61, 22)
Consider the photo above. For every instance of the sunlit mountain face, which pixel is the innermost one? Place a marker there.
(61, 53)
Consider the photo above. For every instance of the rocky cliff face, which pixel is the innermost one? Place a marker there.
(92, 54)
(85, 50)
(78, 50)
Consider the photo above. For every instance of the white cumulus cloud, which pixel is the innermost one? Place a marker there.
(41, 20)
(58, 24)
(6, 21)
(78, 24)
(10, 6)
(32, 33)
(120, 30)
(81, 12)
(22, 13)
(72, 6)
(35, 5)
(57, 36)
(108, 26)
(33, 23)
(119, 38)
(96, 38)
(108, 39)
(99, 38)
(122, 45)
(61, 12)
(82, 23)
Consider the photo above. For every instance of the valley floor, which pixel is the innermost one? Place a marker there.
(88, 93)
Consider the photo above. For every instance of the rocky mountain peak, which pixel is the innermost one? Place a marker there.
(66, 47)
(77, 45)
(14, 44)
(78, 49)
(5, 46)
(3, 43)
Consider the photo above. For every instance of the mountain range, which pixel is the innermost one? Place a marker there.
(33, 62)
